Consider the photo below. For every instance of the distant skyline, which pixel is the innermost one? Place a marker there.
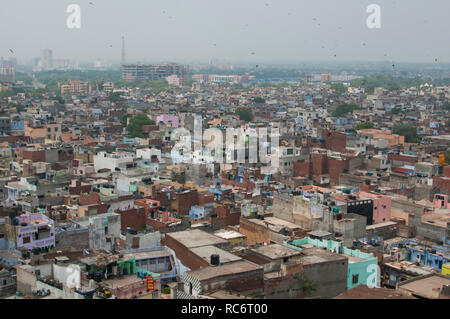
(271, 31)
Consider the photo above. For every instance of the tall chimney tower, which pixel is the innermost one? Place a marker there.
(123, 50)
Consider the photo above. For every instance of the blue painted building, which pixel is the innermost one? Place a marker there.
(433, 256)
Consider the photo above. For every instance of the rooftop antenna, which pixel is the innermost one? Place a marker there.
(123, 50)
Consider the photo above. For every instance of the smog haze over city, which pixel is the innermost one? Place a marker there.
(200, 30)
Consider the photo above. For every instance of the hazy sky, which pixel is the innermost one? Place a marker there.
(186, 30)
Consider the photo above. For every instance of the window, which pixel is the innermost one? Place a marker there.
(26, 240)
(355, 279)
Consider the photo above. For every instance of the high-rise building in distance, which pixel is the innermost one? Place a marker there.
(47, 59)
(151, 72)
(7, 71)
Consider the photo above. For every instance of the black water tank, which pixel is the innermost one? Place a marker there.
(215, 260)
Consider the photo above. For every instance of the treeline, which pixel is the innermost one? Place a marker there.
(156, 85)
(395, 83)
(344, 109)
(52, 78)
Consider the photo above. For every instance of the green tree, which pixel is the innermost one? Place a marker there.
(305, 283)
(388, 82)
(6, 93)
(345, 108)
(245, 114)
(364, 126)
(25, 78)
(259, 99)
(114, 97)
(338, 87)
(20, 108)
(136, 123)
(397, 110)
(408, 131)
(59, 99)
(188, 83)
(123, 119)
(157, 86)
(447, 105)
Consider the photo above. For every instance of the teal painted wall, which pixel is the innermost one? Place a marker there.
(366, 270)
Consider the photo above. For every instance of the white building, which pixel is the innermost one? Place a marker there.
(111, 160)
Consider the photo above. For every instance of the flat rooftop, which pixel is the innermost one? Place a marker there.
(280, 222)
(224, 294)
(364, 292)
(379, 225)
(317, 255)
(426, 287)
(228, 234)
(410, 267)
(146, 254)
(196, 238)
(121, 282)
(237, 267)
(353, 259)
(274, 222)
(319, 233)
(276, 251)
(206, 251)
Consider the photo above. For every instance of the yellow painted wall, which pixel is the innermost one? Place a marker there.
(446, 269)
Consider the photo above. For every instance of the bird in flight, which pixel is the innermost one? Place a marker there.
(91, 3)
(10, 50)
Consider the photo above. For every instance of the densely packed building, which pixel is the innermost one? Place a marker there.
(94, 205)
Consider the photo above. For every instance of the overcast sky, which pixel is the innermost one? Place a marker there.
(186, 30)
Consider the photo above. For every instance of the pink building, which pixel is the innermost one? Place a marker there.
(174, 80)
(441, 201)
(381, 206)
(166, 119)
